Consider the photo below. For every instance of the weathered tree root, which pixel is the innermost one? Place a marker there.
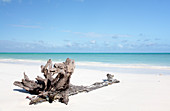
(57, 87)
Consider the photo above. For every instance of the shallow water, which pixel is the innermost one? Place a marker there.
(162, 59)
(137, 63)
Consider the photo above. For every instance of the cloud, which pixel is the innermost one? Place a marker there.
(92, 34)
(6, 1)
(97, 35)
(78, 45)
(120, 45)
(115, 36)
(150, 44)
(92, 42)
(69, 44)
(85, 46)
(26, 26)
(88, 34)
(12, 46)
(41, 42)
(106, 44)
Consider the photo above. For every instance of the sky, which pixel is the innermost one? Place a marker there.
(109, 26)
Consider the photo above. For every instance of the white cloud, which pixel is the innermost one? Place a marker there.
(92, 34)
(88, 34)
(115, 36)
(97, 35)
(6, 1)
(93, 42)
(69, 44)
(150, 44)
(26, 26)
(107, 44)
(120, 45)
(9, 1)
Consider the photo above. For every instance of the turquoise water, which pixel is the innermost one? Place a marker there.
(114, 58)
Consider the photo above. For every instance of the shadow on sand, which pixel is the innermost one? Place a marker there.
(21, 90)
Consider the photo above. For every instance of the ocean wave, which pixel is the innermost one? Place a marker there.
(140, 66)
(89, 64)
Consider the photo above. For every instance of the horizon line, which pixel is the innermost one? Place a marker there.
(84, 52)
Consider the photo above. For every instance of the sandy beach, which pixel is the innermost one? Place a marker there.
(129, 39)
(135, 92)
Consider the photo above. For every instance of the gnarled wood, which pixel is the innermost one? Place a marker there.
(56, 83)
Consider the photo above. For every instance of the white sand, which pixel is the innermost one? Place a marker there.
(135, 92)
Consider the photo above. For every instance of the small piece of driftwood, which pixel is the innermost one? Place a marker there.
(56, 84)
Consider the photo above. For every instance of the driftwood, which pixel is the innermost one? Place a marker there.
(56, 84)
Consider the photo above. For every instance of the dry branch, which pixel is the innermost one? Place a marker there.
(56, 84)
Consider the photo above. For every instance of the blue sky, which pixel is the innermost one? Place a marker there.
(85, 26)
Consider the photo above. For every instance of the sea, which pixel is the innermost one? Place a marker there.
(117, 62)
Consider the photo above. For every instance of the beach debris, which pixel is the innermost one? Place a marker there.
(56, 84)
(160, 74)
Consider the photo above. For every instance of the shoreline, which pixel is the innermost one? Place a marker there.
(144, 92)
(86, 63)
(112, 58)
(117, 68)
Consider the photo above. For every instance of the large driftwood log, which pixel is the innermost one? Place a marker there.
(56, 84)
